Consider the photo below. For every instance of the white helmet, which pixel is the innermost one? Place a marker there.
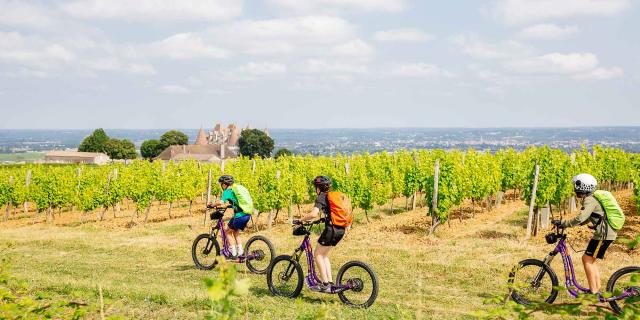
(584, 183)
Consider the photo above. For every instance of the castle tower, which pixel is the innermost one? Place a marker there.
(202, 140)
(234, 135)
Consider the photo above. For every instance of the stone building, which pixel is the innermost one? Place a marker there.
(76, 157)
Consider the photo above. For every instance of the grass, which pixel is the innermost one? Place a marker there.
(147, 272)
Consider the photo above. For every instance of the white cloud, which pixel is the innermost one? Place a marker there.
(425, 70)
(555, 63)
(324, 67)
(263, 69)
(354, 48)
(334, 6)
(282, 36)
(22, 14)
(479, 49)
(158, 10)
(403, 35)
(601, 74)
(523, 11)
(186, 46)
(33, 52)
(548, 32)
(141, 69)
(174, 89)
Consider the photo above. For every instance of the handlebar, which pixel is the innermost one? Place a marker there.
(210, 206)
(307, 223)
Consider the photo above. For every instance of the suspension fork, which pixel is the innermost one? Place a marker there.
(547, 261)
(291, 267)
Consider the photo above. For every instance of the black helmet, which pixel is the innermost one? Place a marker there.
(322, 182)
(226, 179)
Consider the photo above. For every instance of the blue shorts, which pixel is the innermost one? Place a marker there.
(239, 223)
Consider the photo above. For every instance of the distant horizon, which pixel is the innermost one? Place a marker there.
(334, 128)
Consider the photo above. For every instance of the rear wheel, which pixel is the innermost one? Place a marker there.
(204, 251)
(625, 280)
(532, 281)
(284, 277)
(261, 252)
(363, 282)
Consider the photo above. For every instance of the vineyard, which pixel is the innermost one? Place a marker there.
(444, 179)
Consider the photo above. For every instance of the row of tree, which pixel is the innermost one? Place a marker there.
(99, 141)
(252, 143)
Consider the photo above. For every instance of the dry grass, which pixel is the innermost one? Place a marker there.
(147, 272)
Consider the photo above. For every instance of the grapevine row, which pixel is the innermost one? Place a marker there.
(369, 179)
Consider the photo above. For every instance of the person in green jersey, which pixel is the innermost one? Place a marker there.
(584, 186)
(239, 220)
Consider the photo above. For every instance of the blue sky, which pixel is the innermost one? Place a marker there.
(318, 63)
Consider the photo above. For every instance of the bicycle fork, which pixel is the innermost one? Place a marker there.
(291, 267)
(538, 278)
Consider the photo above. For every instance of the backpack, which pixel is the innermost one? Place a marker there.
(340, 207)
(612, 211)
(244, 198)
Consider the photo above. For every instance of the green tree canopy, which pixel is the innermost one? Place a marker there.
(173, 138)
(95, 142)
(151, 149)
(254, 142)
(121, 149)
(283, 152)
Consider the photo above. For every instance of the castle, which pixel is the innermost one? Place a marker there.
(228, 136)
(221, 143)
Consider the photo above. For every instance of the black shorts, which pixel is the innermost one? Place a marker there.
(597, 248)
(331, 236)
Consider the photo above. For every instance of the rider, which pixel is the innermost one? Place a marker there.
(239, 220)
(584, 186)
(329, 237)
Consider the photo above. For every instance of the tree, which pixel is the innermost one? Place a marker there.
(95, 142)
(121, 149)
(283, 152)
(254, 142)
(151, 149)
(173, 138)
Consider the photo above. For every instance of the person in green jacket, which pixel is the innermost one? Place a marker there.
(584, 186)
(239, 220)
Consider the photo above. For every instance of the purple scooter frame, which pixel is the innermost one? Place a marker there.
(285, 276)
(206, 246)
(312, 280)
(571, 282)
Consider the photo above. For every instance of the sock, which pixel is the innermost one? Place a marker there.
(240, 252)
(233, 250)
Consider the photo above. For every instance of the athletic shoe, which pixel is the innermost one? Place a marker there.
(316, 288)
(326, 287)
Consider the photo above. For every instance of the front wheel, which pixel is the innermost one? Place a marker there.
(532, 281)
(284, 277)
(259, 253)
(362, 281)
(625, 280)
(204, 251)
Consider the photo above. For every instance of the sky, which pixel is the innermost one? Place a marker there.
(82, 64)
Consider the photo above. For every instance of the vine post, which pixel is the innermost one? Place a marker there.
(27, 181)
(435, 220)
(533, 200)
(106, 194)
(117, 204)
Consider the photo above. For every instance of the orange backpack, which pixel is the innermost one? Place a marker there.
(340, 206)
